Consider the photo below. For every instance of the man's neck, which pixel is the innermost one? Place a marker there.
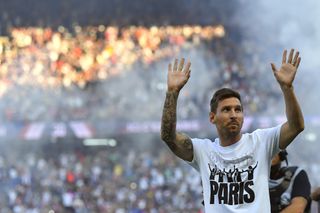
(227, 141)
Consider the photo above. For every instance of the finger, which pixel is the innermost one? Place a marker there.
(290, 56)
(170, 68)
(298, 62)
(295, 58)
(175, 65)
(188, 73)
(273, 67)
(284, 56)
(181, 64)
(187, 67)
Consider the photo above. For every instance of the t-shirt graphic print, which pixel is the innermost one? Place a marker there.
(229, 187)
(235, 178)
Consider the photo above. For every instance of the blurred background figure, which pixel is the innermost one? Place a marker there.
(289, 186)
(315, 196)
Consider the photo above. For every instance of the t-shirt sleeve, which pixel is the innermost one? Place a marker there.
(270, 138)
(301, 186)
(197, 149)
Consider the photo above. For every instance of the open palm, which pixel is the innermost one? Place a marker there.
(288, 69)
(178, 76)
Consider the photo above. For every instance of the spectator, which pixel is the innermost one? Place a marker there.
(289, 187)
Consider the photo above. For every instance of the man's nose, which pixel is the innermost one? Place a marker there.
(233, 114)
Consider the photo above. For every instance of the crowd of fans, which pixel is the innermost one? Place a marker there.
(146, 177)
(51, 58)
(51, 75)
(103, 180)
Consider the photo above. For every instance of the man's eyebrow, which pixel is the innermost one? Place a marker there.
(237, 105)
(225, 107)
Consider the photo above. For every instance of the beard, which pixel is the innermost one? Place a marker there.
(233, 128)
(234, 132)
(229, 130)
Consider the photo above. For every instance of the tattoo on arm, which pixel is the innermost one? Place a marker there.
(186, 143)
(179, 143)
(169, 118)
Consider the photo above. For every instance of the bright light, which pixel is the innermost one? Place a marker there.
(310, 136)
(100, 142)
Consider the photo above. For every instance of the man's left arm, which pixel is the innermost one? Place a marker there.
(300, 194)
(285, 77)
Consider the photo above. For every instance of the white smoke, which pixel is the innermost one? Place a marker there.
(292, 24)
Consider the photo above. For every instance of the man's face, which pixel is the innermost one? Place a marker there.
(228, 117)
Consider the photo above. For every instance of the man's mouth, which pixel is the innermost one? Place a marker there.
(233, 124)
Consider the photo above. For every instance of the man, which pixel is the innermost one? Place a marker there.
(246, 155)
(289, 186)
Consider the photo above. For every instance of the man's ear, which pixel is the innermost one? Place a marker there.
(212, 117)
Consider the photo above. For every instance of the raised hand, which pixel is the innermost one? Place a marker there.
(288, 69)
(178, 76)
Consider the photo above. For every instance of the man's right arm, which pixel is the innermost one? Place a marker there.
(179, 143)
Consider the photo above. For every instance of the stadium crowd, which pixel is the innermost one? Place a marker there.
(145, 178)
(58, 71)
(134, 181)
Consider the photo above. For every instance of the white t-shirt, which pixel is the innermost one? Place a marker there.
(235, 178)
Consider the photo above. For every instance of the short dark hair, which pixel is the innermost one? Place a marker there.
(222, 94)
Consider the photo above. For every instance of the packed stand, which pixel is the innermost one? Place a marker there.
(51, 75)
(100, 181)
